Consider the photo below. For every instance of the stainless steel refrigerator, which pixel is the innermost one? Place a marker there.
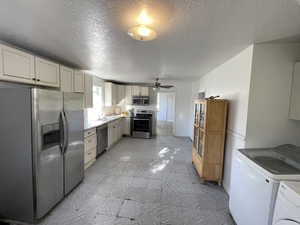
(42, 149)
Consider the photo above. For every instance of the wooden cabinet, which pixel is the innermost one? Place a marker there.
(140, 91)
(78, 81)
(126, 126)
(88, 91)
(115, 132)
(114, 94)
(66, 79)
(136, 91)
(110, 135)
(16, 65)
(128, 95)
(90, 147)
(144, 91)
(110, 93)
(47, 72)
(295, 94)
(121, 95)
(210, 118)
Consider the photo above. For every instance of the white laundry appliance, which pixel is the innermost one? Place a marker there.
(287, 207)
(255, 178)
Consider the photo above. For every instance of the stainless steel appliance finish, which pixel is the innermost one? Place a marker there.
(42, 150)
(47, 153)
(141, 124)
(102, 136)
(74, 148)
(140, 100)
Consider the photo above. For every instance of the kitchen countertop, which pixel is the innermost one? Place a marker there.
(97, 123)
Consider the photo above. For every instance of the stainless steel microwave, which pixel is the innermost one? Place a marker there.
(140, 100)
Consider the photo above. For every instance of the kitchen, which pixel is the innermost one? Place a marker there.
(150, 112)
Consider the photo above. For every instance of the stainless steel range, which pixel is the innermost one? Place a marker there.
(141, 124)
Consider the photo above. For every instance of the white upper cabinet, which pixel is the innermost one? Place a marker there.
(66, 79)
(140, 91)
(78, 81)
(295, 94)
(136, 91)
(88, 91)
(121, 94)
(128, 94)
(16, 65)
(144, 91)
(47, 72)
(111, 94)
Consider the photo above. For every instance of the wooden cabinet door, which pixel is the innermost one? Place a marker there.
(66, 79)
(121, 94)
(110, 135)
(295, 94)
(114, 94)
(128, 93)
(88, 91)
(136, 91)
(144, 91)
(126, 126)
(16, 65)
(47, 72)
(78, 81)
(108, 93)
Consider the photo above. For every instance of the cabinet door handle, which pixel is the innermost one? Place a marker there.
(33, 79)
(38, 80)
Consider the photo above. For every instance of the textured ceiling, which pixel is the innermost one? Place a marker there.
(194, 35)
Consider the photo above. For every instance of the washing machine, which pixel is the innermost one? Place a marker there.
(287, 207)
(255, 179)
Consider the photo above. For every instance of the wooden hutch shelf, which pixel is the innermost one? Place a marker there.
(210, 118)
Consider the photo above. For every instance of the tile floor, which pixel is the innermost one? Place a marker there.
(143, 182)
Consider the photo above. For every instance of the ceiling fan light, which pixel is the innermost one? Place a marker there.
(142, 33)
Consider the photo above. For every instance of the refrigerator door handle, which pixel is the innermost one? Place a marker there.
(62, 132)
(66, 132)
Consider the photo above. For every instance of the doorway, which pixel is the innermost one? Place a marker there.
(166, 113)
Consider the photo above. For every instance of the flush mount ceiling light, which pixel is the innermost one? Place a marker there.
(142, 31)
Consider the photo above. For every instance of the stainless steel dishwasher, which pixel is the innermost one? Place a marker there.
(102, 139)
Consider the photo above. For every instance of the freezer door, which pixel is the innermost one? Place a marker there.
(48, 159)
(16, 185)
(74, 151)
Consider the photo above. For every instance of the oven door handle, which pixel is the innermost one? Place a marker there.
(140, 119)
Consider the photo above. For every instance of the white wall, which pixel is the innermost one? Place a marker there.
(183, 113)
(268, 123)
(231, 81)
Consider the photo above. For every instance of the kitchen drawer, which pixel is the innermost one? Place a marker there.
(90, 132)
(90, 142)
(89, 155)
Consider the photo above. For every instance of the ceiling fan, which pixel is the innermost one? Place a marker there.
(158, 85)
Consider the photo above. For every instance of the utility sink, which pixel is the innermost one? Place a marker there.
(281, 160)
(276, 165)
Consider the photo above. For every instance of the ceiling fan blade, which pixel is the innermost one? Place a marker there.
(166, 86)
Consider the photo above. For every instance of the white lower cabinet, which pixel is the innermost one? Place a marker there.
(126, 126)
(90, 147)
(115, 131)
